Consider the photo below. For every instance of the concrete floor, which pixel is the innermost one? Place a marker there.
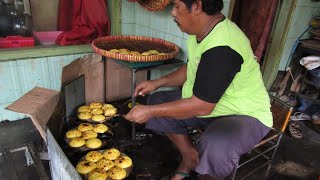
(295, 158)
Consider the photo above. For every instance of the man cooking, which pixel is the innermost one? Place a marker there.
(222, 93)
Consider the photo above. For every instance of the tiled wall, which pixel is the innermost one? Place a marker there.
(19, 77)
(303, 14)
(159, 24)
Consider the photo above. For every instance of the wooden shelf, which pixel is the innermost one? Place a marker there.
(310, 46)
(308, 98)
(305, 80)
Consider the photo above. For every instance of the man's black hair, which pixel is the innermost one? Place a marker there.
(210, 7)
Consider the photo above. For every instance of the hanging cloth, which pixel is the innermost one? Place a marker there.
(257, 27)
(82, 21)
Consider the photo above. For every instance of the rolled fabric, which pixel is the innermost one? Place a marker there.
(310, 62)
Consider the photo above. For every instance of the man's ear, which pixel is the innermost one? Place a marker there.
(197, 7)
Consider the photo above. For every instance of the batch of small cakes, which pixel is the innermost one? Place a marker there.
(102, 165)
(97, 164)
(97, 112)
(136, 53)
(86, 134)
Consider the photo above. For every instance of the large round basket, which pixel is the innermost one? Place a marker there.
(154, 5)
(140, 44)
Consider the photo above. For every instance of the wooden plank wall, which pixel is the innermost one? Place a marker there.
(44, 15)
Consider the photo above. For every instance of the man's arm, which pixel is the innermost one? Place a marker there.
(174, 79)
(180, 109)
(183, 108)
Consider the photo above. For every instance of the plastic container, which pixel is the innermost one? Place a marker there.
(46, 37)
(16, 41)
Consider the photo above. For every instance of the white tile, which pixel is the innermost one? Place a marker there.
(225, 9)
(128, 12)
(142, 30)
(31, 73)
(128, 29)
(308, 3)
(10, 88)
(142, 16)
(288, 49)
(173, 28)
(155, 34)
(9, 115)
(301, 19)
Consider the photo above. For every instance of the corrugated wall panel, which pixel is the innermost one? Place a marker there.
(19, 77)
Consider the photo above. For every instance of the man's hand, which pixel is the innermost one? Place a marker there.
(145, 87)
(139, 114)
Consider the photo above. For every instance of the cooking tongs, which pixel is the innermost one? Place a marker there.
(116, 115)
(126, 102)
(129, 100)
(121, 105)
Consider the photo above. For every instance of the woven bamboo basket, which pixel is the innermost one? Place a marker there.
(140, 44)
(154, 5)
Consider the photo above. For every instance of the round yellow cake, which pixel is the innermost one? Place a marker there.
(77, 142)
(124, 50)
(110, 111)
(95, 105)
(95, 175)
(93, 156)
(123, 162)
(107, 106)
(101, 174)
(111, 154)
(84, 115)
(73, 133)
(117, 173)
(93, 143)
(114, 50)
(98, 118)
(100, 128)
(84, 109)
(153, 52)
(105, 164)
(89, 134)
(85, 127)
(96, 111)
(84, 167)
